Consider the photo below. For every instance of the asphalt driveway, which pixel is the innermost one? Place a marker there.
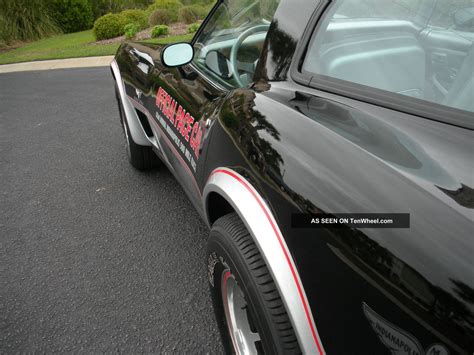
(94, 256)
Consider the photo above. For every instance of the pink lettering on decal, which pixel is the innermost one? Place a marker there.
(182, 123)
(193, 136)
(189, 125)
(172, 111)
(179, 115)
(159, 97)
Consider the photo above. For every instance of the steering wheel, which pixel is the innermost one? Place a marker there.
(236, 47)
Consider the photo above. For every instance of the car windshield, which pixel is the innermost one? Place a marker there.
(234, 17)
(239, 27)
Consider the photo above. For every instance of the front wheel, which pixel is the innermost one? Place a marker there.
(249, 310)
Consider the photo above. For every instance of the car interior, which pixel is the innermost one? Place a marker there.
(232, 45)
(400, 56)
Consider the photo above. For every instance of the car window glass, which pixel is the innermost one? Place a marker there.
(239, 27)
(377, 9)
(444, 15)
(390, 45)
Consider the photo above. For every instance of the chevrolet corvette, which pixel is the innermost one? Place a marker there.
(281, 119)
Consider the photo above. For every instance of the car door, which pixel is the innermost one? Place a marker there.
(185, 99)
(189, 97)
(367, 67)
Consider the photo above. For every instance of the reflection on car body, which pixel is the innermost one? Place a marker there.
(334, 107)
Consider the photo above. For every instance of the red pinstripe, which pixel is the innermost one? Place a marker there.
(275, 230)
(288, 260)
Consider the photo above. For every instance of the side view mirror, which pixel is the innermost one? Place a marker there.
(176, 55)
(463, 19)
(218, 64)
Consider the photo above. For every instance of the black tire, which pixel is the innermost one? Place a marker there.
(141, 157)
(231, 249)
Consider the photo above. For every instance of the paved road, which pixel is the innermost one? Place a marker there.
(94, 256)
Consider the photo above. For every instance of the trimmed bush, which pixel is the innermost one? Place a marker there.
(131, 30)
(202, 10)
(72, 15)
(102, 7)
(109, 26)
(160, 30)
(172, 6)
(136, 16)
(193, 28)
(188, 14)
(159, 17)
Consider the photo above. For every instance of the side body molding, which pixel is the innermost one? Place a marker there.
(261, 224)
(136, 129)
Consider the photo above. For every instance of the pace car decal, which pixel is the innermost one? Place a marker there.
(180, 125)
(398, 341)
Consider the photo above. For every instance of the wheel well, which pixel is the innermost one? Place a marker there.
(217, 207)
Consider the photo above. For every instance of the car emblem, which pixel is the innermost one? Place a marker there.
(398, 340)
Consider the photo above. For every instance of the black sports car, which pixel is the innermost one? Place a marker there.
(289, 123)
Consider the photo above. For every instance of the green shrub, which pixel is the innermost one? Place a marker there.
(172, 6)
(194, 27)
(112, 25)
(102, 7)
(72, 15)
(131, 30)
(136, 16)
(3, 29)
(202, 10)
(188, 14)
(25, 20)
(192, 13)
(109, 26)
(3, 32)
(159, 17)
(159, 30)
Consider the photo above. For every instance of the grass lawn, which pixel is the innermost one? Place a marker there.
(72, 45)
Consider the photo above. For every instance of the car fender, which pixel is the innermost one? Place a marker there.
(259, 220)
(136, 130)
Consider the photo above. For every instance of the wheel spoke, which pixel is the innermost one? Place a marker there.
(239, 319)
